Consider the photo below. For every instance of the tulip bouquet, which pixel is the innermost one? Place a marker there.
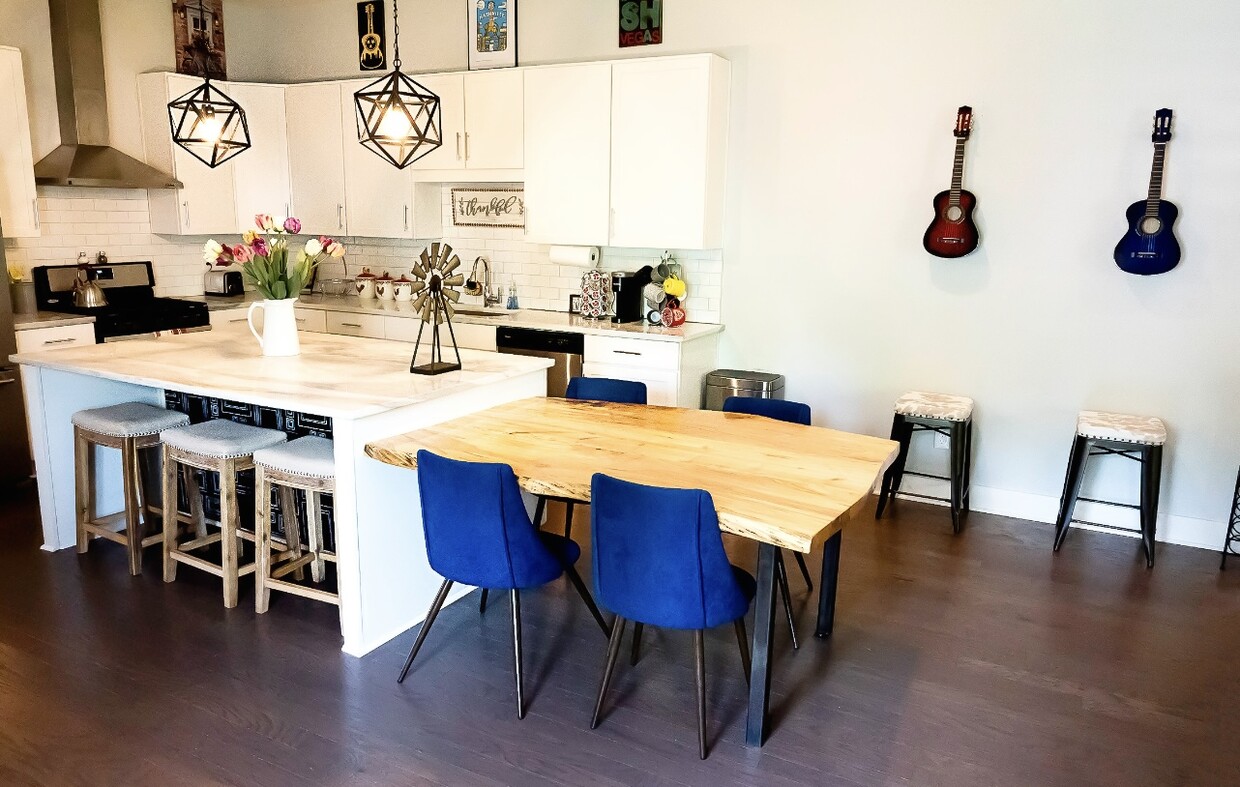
(263, 257)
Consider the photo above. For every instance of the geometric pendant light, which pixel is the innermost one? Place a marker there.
(397, 118)
(209, 124)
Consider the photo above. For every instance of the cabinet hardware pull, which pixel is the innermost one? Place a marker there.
(349, 325)
(626, 352)
(406, 218)
(467, 146)
(34, 207)
(340, 216)
(186, 206)
(59, 341)
(458, 146)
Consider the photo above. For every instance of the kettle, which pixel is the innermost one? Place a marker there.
(87, 294)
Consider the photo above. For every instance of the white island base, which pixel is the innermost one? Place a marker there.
(363, 385)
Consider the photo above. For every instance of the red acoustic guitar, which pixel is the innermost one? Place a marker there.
(953, 233)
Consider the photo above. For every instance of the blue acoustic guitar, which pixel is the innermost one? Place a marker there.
(1150, 246)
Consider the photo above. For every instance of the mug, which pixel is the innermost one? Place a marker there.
(384, 289)
(365, 287)
(402, 291)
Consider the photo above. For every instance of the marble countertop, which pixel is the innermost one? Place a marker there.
(337, 376)
(22, 322)
(523, 318)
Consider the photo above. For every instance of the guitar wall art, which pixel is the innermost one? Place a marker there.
(371, 54)
(953, 232)
(1150, 246)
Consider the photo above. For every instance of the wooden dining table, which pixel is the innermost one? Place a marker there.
(779, 484)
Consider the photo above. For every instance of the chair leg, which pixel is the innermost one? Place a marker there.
(958, 444)
(292, 527)
(84, 476)
(539, 510)
(699, 672)
(638, 628)
(229, 520)
(613, 650)
(902, 433)
(568, 520)
(262, 540)
(193, 494)
(968, 464)
(314, 522)
(809, 583)
(742, 639)
(482, 601)
(171, 521)
(584, 592)
(436, 605)
(781, 577)
(1151, 480)
(1071, 488)
(131, 478)
(516, 652)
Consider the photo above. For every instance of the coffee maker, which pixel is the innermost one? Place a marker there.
(626, 297)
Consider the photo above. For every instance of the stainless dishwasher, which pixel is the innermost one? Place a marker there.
(562, 347)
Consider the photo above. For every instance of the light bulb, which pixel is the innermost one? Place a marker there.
(209, 128)
(394, 124)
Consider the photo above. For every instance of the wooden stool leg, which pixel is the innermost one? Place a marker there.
(1151, 481)
(193, 494)
(314, 522)
(262, 540)
(292, 527)
(228, 532)
(131, 478)
(959, 444)
(169, 499)
(1071, 488)
(84, 474)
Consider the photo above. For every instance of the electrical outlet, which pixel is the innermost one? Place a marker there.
(942, 441)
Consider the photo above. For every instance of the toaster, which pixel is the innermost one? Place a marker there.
(223, 283)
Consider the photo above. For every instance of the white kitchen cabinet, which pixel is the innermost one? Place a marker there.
(672, 371)
(451, 91)
(221, 318)
(30, 340)
(380, 200)
(206, 202)
(469, 336)
(316, 163)
(311, 320)
(482, 127)
(368, 325)
(19, 208)
(662, 386)
(669, 130)
(567, 158)
(261, 174)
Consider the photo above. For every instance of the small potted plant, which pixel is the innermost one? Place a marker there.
(264, 263)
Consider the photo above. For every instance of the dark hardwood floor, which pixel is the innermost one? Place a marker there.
(977, 659)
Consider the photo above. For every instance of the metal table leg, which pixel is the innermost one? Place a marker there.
(763, 632)
(826, 586)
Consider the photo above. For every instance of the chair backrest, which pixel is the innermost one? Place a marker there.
(477, 529)
(605, 389)
(779, 409)
(658, 556)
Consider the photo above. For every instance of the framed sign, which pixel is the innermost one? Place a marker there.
(371, 36)
(492, 33)
(488, 206)
(641, 22)
(198, 34)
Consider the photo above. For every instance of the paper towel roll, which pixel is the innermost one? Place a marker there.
(580, 256)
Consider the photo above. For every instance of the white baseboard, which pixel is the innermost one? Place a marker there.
(1172, 528)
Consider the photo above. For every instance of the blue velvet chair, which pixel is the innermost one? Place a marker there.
(795, 413)
(598, 389)
(658, 560)
(485, 538)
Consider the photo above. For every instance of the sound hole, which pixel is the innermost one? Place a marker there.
(953, 213)
(1150, 225)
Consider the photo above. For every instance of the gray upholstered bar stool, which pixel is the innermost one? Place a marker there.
(223, 447)
(1137, 437)
(130, 427)
(945, 414)
(308, 464)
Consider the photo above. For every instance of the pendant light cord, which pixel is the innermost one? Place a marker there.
(396, 34)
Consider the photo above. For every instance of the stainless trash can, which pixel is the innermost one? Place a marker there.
(722, 383)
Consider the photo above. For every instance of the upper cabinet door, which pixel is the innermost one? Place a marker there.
(315, 155)
(567, 141)
(260, 176)
(19, 213)
(451, 91)
(378, 196)
(669, 121)
(493, 126)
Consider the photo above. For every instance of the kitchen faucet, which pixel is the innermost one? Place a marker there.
(483, 288)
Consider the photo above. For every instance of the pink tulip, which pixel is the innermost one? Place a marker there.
(264, 221)
(242, 253)
(292, 225)
(260, 247)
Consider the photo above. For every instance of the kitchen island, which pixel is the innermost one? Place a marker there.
(363, 385)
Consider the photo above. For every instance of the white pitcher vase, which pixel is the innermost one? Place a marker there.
(279, 336)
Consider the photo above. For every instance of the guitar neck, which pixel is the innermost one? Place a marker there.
(957, 172)
(1156, 176)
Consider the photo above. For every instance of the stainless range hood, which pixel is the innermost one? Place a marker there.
(84, 157)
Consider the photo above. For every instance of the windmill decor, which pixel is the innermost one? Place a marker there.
(436, 285)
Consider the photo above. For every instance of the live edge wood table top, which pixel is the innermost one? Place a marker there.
(782, 484)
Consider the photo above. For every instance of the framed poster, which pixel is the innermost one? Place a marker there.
(641, 22)
(198, 34)
(488, 206)
(492, 33)
(371, 36)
